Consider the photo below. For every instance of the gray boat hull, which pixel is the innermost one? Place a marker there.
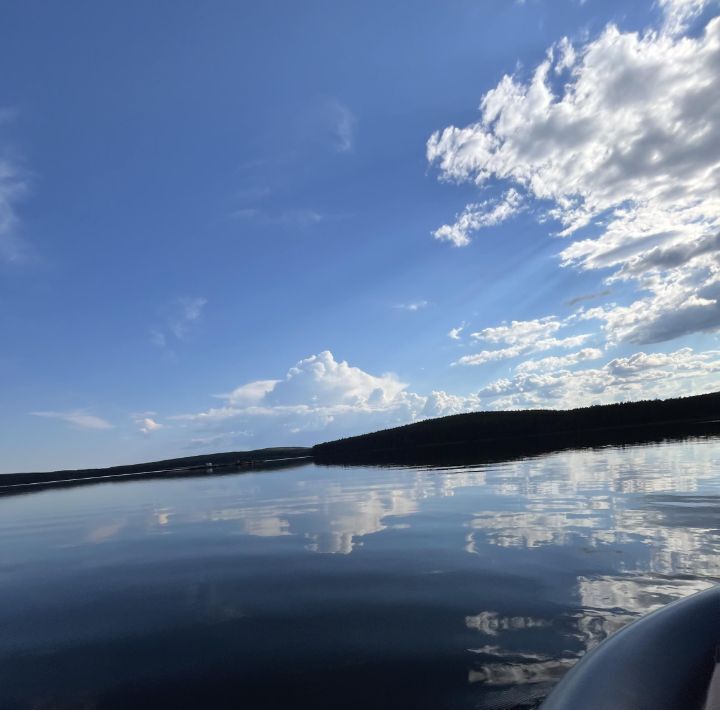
(664, 661)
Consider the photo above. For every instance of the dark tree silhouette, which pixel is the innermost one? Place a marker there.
(503, 434)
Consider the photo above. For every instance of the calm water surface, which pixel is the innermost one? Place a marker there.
(328, 587)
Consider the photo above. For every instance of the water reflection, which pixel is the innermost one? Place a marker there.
(476, 586)
(636, 510)
(332, 518)
(606, 605)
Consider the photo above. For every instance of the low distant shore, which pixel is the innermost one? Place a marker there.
(167, 468)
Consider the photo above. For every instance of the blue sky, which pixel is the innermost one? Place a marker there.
(231, 225)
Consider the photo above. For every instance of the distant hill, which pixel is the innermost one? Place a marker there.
(504, 434)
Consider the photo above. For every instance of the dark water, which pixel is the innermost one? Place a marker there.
(323, 587)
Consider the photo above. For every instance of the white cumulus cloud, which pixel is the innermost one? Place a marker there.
(523, 338)
(320, 398)
(477, 216)
(558, 362)
(639, 376)
(620, 136)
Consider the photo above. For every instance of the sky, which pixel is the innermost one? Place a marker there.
(231, 225)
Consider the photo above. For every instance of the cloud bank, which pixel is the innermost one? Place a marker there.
(321, 398)
(618, 142)
(524, 338)
(639, 376)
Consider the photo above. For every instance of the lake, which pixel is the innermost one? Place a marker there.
(331, 587)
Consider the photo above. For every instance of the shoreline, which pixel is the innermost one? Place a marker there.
(460, 439)
(210, 464)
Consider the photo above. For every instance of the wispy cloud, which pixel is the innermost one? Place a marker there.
(76, 417)
(182, 315)
(294, 217)
(588, 297)
(13, 187)
(455, 333)
(190, 310)
(246, 213)
(343, 123)
(255, 204)
(478, 216)
(679, 14)
(412, 306)
(252, 193)
(147, 425)
(226, 438)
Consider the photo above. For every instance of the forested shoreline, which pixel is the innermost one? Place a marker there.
(524, 432)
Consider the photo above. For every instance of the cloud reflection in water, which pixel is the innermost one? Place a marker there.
(503, 574)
